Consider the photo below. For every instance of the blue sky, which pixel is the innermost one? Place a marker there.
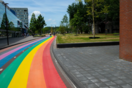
(52, 10)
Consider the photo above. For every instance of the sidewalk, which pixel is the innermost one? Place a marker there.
(17, 40)
(95, 67)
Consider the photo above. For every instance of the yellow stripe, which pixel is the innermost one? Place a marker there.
(20, 78)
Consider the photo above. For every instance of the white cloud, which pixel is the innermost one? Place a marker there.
(49, 19)
(36, 13)
(52, 10)
(29, 17)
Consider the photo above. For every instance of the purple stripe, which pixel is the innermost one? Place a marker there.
(6, 54)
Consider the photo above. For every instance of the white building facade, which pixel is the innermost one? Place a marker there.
(22, 14)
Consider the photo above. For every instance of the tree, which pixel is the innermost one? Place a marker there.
(94, 10)
(40, 23)
(64, 22)
(72, 9)
(77, 21)
(3, 23)
(33, 24)
(62, 28)
(113, 15)
(46, 30)
(11, 26)
(82, 8)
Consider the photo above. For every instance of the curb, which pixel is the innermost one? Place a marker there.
(60, 71)
(86, 44)
(16, 44)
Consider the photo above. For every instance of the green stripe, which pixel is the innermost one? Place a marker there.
(9, 72)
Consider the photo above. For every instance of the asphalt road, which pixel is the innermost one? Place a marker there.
(29, 65)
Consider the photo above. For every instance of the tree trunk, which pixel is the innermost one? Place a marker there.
(81, 30)
(93, 18)
(76, 31)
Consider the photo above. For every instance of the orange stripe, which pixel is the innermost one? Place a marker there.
(36, 75)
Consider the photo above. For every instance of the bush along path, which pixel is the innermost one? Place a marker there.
(30, 66)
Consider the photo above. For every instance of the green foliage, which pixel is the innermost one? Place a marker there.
(113, 10)
(81, 8)
(36, 32)
(62, 29)
(36, 25)
(11, 26)
(39, 35)
(64, 25)
(72, 9)
(3, 23)
(33, 24)
(86, 29)
(95, 8)
(65, 20)
(93, 12)
(71, 38)
(40, 23)
(77, 21)
(46, 30)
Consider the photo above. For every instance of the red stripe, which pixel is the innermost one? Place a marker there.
(52, 78)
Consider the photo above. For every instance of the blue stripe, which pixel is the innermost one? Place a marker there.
(7, 58)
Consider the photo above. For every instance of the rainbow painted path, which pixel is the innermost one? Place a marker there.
(29, 65)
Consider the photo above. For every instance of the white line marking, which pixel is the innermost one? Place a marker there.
(1, 69)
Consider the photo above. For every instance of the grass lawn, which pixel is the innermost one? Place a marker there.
(83, 38)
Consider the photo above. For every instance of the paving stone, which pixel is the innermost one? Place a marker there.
(96, 67)
(87, 75)
(108, 76)
(79, 75)
(92, 86)
(113, 78)
(122, 77)
(86, 82)
(104, 80)
(128, 80)
(90, 77)
(82, 78)
(101, 84)
(127, 86)
(94, 80)
(76, 72)
(109, 83)
(119, 82)
(117, 86)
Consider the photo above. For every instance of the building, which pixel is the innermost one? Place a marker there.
(17, 23)
(22, 14)
(125, 47)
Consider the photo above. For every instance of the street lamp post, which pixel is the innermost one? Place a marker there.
(6, 25)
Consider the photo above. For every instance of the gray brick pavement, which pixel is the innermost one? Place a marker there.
(96, 67)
